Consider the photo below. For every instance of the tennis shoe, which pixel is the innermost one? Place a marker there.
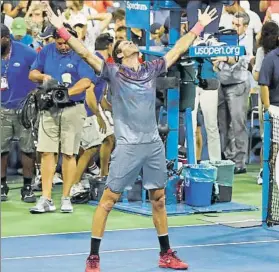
(43, 205)
(93, 264)
(170, 260)
(4, 192)
(66, 205)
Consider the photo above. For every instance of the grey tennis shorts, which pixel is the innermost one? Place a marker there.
(127, 160)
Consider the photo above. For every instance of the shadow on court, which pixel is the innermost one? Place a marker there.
(206, 248)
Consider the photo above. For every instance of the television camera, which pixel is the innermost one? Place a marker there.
(52, 94)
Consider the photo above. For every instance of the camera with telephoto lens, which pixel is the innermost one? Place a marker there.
(52, 94)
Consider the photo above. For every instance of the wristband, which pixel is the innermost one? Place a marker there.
(197, 29)
(64, 34)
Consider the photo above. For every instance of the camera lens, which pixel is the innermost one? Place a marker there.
(59, 95)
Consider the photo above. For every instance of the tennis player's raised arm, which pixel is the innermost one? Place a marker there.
(94, 61)
(186, 41)
(57, 21)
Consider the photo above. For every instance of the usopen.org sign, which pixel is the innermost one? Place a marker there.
(216, 51)
(138, 14)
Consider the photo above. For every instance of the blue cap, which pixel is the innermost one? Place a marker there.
(49, 30)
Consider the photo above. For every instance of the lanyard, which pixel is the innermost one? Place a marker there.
(243, 37)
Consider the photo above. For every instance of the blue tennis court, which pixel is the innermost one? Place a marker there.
(210, 248)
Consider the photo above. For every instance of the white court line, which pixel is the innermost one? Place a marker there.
(140, 249)
(133, 229)
(116, 230)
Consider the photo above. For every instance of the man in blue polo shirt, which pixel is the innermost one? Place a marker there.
(60, 128)
(16, 61)
(97, 130)
(269, 79)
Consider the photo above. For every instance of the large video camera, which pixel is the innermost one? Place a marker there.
(52, 94)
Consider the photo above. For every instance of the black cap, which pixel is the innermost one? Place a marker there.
(5, 32)
(49, 30)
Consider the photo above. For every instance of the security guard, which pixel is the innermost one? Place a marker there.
(16, 61)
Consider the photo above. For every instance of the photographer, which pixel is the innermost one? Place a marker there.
(60, 127)
(16, 61)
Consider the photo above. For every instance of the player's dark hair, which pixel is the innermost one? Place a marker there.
(70, 30)
(103, 41)
(117, 51)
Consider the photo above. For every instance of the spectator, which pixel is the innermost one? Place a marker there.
(121, 33)
(268, 42)
(89, 32)
(57, 5)
(165, 37)
(119, 18)
(97, 130)
(104, 46)
(138, 36)
(226, 18)
(90, 24)
(47, 35)
(100, 6)
(271, 7)
(234, 8)
(6, 19)
(192, 13)
(76, 11)
(15, 8)
(269, 78)
(255, 25)
(19, 31)
(16, 61)
(35, 16)
(272, 4)
(233, 97)
(269, 81)
(156, 32)
(207, 90)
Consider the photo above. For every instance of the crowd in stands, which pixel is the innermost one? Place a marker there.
(222, 105)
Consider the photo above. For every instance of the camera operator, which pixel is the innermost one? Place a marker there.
(60, 127)
(16, 61)
(233, 97)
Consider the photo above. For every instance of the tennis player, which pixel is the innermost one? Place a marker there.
(138, 144)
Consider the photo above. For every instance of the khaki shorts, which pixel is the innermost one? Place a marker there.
(91, 135)
(61, 126)
(109, 122)
(11, 129)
